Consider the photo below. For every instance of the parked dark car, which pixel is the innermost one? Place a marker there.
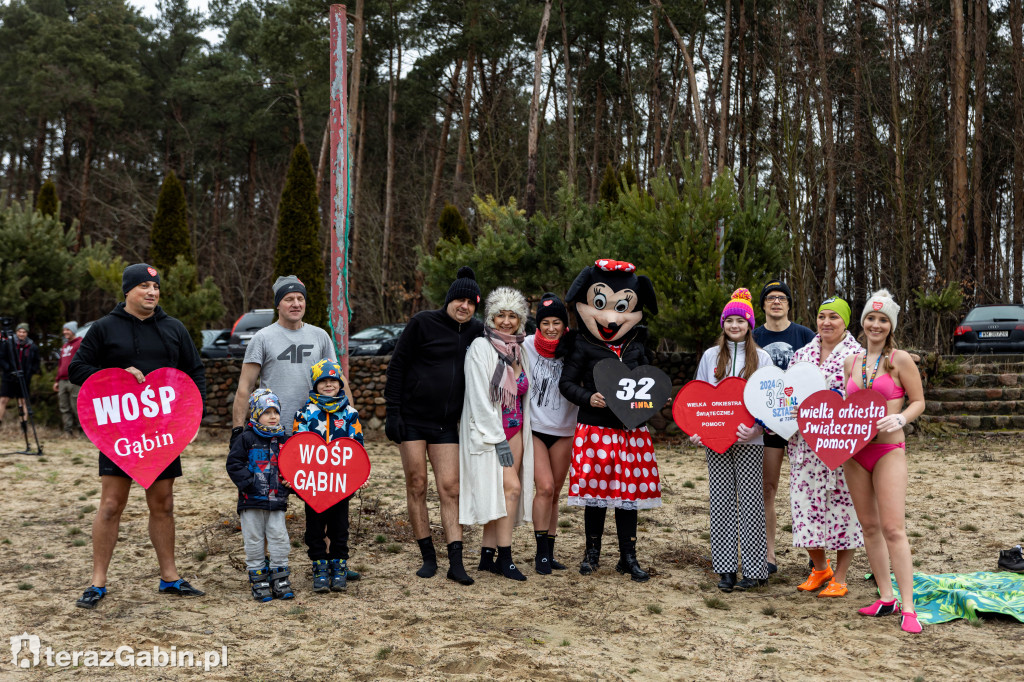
(991, 329)
(215, 343)
(244, 328)
(379, 340)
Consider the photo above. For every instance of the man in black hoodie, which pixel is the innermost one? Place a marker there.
(426, 383)
(137, 336)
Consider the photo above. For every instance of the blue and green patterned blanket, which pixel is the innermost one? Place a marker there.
(948, 596)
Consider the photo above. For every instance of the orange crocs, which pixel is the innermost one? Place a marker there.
(817, 578)
(834, 589)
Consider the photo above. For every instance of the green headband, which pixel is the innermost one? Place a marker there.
(838, 305)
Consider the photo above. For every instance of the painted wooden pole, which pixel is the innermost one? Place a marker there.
(341, 197)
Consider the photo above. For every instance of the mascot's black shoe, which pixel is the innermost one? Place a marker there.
(628, 564)
(591, 561)
(727, 582)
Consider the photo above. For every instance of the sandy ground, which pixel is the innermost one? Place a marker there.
(964, 505)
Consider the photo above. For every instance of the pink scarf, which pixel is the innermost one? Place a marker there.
(503, 382)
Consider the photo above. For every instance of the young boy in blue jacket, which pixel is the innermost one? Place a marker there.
(329, 414)
(262, 497)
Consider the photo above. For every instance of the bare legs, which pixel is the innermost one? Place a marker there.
(498, 533)
(770, 481)
(879, 497)
(444, 459)
(550, 467)
(844, 558)
(113, 497)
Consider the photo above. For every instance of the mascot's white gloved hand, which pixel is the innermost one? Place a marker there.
(695, 439)
(504, 454)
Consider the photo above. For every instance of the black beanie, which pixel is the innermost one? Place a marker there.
(136, 274)
(464, 286)
(550, 305)
(776, 285)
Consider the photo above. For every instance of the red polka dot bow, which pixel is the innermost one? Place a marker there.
(614, 265)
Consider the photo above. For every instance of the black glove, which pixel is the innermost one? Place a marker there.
(235, 433)
(393, 426)
(504, 454)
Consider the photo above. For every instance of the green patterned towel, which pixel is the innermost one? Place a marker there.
(940, 598)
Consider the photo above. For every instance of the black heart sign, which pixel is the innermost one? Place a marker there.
(634, 396)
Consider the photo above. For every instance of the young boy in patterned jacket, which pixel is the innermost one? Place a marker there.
(262, 497)
(329, 414)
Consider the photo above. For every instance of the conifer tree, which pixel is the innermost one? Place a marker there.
(47, 202)
(452, 225)
(608, 192)
(298, 235)
(169, 236)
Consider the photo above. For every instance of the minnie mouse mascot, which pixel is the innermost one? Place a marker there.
(611, 466)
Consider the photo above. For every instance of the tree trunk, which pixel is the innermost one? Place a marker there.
(1017, 34)
(860, 182)
(723, 107)
(83, 204)
(467, 101)
(981, 248)
(357, 67)
(38, 152)
(298, 114)
(435, 182)
(829, 144)
(389, 185)
(957, 210)
(570, 111)
(595, 174)
(656, 97)
(531, 145)
(698, 116)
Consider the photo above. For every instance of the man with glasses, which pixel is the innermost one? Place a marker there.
(780, 338)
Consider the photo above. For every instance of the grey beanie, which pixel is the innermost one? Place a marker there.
(71, 326)
(136, 274)
(285, 285)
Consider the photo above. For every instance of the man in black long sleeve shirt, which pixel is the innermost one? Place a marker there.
(137, 336)
(426, 383)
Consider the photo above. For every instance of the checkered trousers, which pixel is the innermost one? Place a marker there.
(736, 501)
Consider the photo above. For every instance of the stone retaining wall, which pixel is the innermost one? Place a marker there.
(366, 378)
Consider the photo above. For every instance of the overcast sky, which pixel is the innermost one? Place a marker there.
(148, 7)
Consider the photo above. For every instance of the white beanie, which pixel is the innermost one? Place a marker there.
(506, 298)
(881, 301)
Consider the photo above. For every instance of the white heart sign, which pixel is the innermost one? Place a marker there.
(771, 394)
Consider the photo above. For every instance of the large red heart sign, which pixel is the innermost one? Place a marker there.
(837, 428)
(321, 473)
(140, 427)
(712, 412)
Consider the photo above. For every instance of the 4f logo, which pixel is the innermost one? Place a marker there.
(26, 648)
(296, 354)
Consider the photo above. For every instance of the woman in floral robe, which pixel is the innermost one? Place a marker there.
(823, 514)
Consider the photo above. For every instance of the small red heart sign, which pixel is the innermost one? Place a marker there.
(712, 412)
(788, 391)
(836, 428)
(321, 473)
(140, 427)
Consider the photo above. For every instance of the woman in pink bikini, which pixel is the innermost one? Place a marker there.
(877, 475)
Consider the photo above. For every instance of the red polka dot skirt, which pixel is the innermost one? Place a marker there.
(613, 468)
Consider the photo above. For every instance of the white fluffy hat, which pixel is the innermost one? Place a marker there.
(506, 298)
(881, 301)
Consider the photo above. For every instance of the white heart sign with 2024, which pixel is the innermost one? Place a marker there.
(771, 394)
